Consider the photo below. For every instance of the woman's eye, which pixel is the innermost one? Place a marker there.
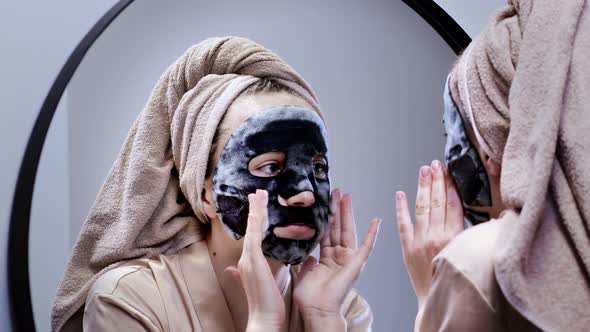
(267, 164)
(269, 169)
(320, 170)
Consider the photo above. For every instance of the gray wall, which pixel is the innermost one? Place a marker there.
(471, 15)
(38, 37)
(49, 242)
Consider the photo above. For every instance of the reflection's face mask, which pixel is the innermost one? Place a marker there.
(464, 164)
(300, 135)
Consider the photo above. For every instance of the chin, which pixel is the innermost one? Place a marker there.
(288, 251)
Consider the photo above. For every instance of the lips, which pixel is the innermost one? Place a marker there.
(296, 223)
(295, 231)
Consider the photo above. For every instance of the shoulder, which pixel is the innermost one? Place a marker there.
(130, 292)
(139, 275)
(464, 295)
(470, 257)
(139, 278)
(123, 279)
(473, 249)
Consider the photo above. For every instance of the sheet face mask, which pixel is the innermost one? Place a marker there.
(464, 164)
(301, 136)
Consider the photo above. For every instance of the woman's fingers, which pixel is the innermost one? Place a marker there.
(454, 210)
(326, 240)
(367, 245)
(369, 241)
(404, 221)
(438, 199)
(348, 235)
(257, 219)
(335, 218)
(265, 302)
(423, 200)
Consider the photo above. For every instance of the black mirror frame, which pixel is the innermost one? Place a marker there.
(18, 242)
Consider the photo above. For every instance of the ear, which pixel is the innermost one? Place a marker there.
(207, 200)
(493, 167)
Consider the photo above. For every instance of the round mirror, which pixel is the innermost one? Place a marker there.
(378, 69)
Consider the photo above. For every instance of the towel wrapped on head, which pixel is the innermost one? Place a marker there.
(523, 85)
(150, 203)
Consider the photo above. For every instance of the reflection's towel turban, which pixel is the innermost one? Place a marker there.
(524, 86)
(140, 210)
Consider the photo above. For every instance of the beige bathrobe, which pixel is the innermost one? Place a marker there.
(181, 292)
(464, 294)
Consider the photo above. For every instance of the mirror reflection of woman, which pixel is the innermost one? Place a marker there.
(517, 123)
(221, 189)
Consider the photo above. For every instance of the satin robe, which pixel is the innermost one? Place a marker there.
(181, 293)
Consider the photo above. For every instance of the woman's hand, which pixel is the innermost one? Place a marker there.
(266, 307)
(323, 285)
(439, 218)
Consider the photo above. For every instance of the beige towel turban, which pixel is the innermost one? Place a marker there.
(524, 86)
(141, 210)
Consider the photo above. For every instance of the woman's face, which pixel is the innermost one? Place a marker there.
(493, 170)
(476, 175)
(278, 144)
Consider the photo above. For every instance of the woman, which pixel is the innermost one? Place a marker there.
(516, 119)
(227, 164)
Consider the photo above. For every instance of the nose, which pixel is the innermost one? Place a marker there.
(302, 199)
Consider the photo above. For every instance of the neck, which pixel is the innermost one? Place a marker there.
(225, 251)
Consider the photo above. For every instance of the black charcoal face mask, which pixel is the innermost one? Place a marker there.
(464, 164)
(301, 136)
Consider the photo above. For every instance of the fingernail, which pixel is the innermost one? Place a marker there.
(425, 171)
(399, 195)
(436, 165)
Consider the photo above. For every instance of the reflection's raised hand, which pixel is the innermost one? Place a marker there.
(439, 218)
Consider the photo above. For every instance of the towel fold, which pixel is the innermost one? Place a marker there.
(150, 203)
(523, 85)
